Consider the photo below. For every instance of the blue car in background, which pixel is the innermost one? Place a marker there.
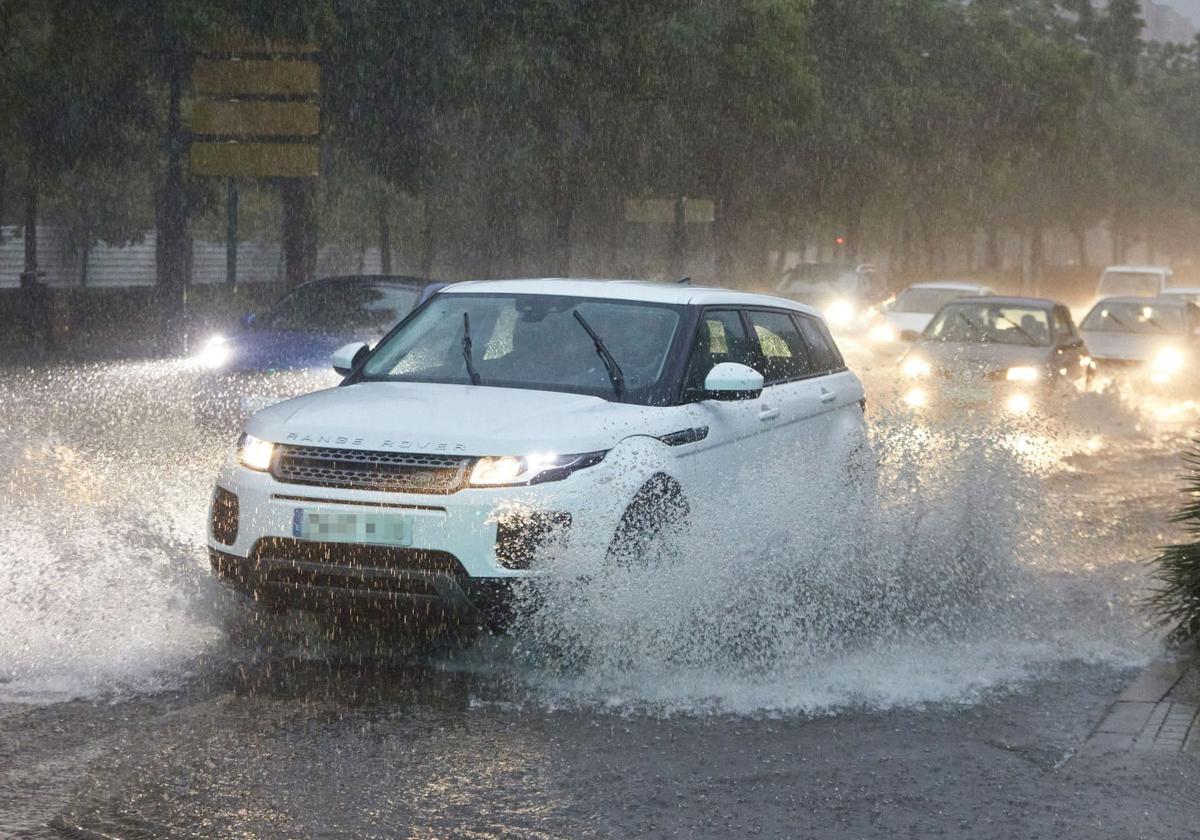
(285, 351)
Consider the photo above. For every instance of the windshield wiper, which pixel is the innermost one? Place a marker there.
(1021, 329)
(466, 350)
(610, 364)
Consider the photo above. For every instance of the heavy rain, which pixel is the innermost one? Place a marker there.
(580, 419)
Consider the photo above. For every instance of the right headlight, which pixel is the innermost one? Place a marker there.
(255, 453)
(1022, 373)
(915, 367)
(1168, 360)
(515, 470)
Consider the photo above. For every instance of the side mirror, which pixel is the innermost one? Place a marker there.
(731, 381)
(248, 319)
(347, 357)
(909, 335)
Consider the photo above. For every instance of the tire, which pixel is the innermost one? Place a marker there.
(652, 528)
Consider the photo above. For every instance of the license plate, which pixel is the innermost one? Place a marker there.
(249, 405)
(970, 393)
(368, 528)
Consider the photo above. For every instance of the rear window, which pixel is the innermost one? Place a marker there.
(1130, 283)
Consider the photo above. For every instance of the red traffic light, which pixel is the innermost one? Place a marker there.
(839, 240)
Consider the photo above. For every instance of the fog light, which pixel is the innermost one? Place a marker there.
(916, 398)
(1019, 404)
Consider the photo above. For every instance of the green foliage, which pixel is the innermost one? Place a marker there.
(1176, 601)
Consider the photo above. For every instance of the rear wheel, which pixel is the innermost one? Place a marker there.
(652, 528)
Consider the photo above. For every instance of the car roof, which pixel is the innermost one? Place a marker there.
(635, 290)
(1140, 269)
(1134, 300)
(951, 285)
(395, 279)
(1002, 300)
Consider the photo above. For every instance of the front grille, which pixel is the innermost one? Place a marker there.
(355, 556)
(353, 469)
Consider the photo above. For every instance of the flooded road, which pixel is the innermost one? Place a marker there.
(928, 666)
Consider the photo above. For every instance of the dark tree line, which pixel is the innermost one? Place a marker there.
(506, 137)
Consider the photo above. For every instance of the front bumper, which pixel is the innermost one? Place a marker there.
(1012, 398)
(457, 558)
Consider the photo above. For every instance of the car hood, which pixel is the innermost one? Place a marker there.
(461, 419)
(265, 350)
(915, 321)
(979, 358)
(1127, 346)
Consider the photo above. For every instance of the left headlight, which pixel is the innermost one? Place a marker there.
(513, 470)
(214, 354)
(255, 453)
(1023, 373)
(1168, 360)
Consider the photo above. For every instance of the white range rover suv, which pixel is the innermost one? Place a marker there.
(501, 417)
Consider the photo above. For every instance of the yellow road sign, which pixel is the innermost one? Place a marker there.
(256, 77)
(255, 118)
(255, 160)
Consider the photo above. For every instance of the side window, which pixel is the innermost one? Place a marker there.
(825, 355)
(784, 353)
(719, 338)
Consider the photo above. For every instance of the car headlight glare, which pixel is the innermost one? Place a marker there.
(840, 313)
(255, 453)
(214, 354)
(1022, 373)
(1168, 360)
(514, 470)
(883, 334)
(915, 368)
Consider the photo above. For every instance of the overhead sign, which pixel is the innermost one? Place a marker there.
(253, 118)
(256, 77)
(255, 160)
(662, 211)
(256, 114)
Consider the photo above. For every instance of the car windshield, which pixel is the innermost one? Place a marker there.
(343, 306)
(1133, 283)
(1129, 317)
(984, 322)
(925, 301)
(531, 341)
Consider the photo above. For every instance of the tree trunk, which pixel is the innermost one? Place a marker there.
(3, 193)
(171, 257)
(85, 256)
(299, 230)
(786, 222)
(1081, 249)
(561, 224)
(991, 258)
(1037, 255)
(385, 236)
(678, 240)
(725, 234)
(428, 237)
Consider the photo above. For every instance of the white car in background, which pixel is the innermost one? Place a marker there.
(1191, 294)
(908, 314)
(504, 417)
(1157, 336)
(1133, 281)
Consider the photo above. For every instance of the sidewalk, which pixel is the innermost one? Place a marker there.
(1157, 711)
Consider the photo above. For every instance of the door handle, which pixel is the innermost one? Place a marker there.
(827, 396)
(768, 414)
